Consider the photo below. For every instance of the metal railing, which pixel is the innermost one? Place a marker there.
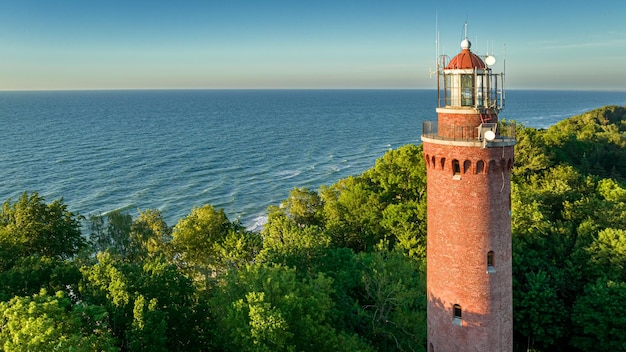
(432, 129)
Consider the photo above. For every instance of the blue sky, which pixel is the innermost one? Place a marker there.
(89, 44)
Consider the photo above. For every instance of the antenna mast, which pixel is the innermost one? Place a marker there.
(437, 67)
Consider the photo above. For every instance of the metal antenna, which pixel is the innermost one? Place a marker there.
(465, 30)
(436, 71)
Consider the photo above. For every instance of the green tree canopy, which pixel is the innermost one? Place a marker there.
(31, 226)
(53, 323)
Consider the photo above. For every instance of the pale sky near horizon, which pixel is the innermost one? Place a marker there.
(84, 44)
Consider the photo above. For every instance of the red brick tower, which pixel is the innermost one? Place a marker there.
(469, 157)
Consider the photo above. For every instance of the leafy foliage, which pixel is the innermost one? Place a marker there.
(48, 323)
(30, 226)
(206, 243)
(567, 203)
(267, 308)
(598, 322)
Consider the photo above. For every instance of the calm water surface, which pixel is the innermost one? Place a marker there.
(241, 150)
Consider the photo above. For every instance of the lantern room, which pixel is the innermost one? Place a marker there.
(466, 81)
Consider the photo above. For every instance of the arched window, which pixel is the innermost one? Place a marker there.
(492, 167)
(457, 318)
(480, 167)
(456, 168)
(443, 163)
(466, 166)
(490, 263)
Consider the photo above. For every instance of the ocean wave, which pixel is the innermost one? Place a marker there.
(257, 223)
(287, 174)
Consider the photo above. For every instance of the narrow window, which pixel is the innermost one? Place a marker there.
(457, 319)
(467, 90)
(492, 167)
(490, 266)
(466, 166)
(443, 163)
(456, 168)
(480, 167)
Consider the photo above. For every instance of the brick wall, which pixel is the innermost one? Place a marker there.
(468, 216)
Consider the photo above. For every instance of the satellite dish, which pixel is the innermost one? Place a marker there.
(490, 60)
(490, 136)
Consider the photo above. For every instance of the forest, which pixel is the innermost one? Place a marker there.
(341, 268)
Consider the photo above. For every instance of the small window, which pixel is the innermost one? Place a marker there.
(466, 166)
(490, 266)
(458, 318)
(456, 168)
(480, 167)
(492, 167)
(457, 311)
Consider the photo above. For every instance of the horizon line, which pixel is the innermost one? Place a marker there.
(616, 90)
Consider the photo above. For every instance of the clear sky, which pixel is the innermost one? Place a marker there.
(120, 44)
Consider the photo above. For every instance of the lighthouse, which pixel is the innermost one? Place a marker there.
(469, 157)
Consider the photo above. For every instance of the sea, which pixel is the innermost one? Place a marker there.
(238, 150)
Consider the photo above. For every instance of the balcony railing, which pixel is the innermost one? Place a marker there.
(502, 131)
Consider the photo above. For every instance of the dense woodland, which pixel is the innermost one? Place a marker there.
(341, 268)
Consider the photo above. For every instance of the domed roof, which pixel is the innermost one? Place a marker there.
(465, 59)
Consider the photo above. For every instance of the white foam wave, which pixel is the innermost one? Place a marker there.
(257, 223)
(287, 174)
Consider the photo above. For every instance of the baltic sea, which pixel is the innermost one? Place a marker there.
(240, 150)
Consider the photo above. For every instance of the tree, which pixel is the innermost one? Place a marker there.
(289, 243)
(406, 226)
(143, 299)
(152, 232)
(539, 313)
(400, 175)
(352, 214)
(203, 240)
(31, 274)
(111, 232)
(30, 226)
(148, 329)
(269, 308)
(393, 301)
(598, 320)
(133, 240)
(592, 142)
(532, 156)
(304, 207)
(52, 323)
(607, 255)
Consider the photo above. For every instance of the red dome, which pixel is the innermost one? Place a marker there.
(465, 59)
